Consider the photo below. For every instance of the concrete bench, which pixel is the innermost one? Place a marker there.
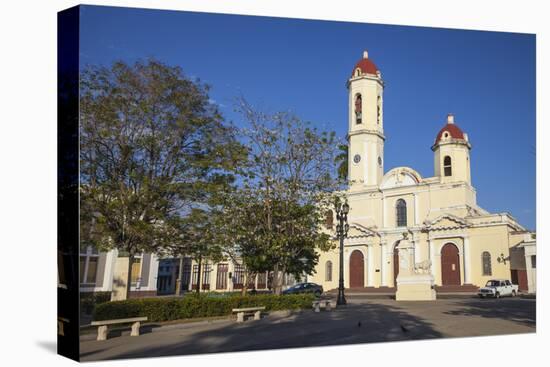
(325, 303)
(103, 326)
(249, 311)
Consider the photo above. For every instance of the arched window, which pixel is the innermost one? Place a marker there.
(357, 72)
(328, 271)
(401, 213)
(486, 261)
(358, 109)
(329, 219)
(447, 167)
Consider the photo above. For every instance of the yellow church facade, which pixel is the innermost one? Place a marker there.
(461, 244)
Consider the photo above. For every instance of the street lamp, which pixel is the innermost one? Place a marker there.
(342, 228)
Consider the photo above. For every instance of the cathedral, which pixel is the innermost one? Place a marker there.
(463, 244)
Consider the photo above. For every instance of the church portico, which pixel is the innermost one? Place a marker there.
(449, 236)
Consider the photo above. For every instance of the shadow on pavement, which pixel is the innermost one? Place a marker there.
(365, 323)
(518, 311)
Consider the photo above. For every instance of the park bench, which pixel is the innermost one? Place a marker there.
(325, 303)
(103, 326)
(256, 311)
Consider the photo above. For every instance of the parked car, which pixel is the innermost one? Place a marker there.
(316, 289)
(497, 288)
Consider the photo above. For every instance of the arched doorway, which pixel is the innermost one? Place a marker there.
(356, 270)
(395, 264)
(450, 265)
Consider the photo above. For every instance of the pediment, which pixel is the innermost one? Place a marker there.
(400, 176)
(446, 221)
(359, 231)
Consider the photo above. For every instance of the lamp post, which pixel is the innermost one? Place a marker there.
(342, 228)
(501, 259)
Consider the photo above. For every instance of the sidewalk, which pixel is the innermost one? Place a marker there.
(361, 321)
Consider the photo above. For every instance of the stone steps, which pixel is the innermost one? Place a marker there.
(446, 289)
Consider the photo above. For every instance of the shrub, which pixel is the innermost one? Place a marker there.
(194, 306)
(88, 301)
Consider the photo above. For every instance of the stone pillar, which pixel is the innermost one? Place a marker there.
(416, 249)
(466, 257)
(412, 285)
(102, 332)
(432, 256)
(406, 258)
(529, 251)
(416, 214)
(240, 316)
(383, 261)
(370, 266)
(135, 328)
(383, 212)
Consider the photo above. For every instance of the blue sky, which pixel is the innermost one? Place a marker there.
(487, 79)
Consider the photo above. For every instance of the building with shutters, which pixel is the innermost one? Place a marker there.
(105, 271)
(151, 276)
(464, 244)
(223, 276)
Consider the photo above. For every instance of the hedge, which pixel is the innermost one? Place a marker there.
(193, 306)
(88, 301)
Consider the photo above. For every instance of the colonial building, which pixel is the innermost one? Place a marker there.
(223, 276)
(464, 244)
(151, 276)
(107, 272)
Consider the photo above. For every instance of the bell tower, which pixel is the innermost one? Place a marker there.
(366, 125)
(452, 153)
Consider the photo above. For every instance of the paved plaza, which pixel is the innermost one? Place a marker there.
(361, 321)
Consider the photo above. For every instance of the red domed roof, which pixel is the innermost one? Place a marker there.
(453, 130)
(366, 66)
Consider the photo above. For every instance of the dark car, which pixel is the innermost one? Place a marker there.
(316, 289)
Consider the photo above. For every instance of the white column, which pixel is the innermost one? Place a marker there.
(383, 261)
(432, 256)
(415, 242)
(370, 266)
(416, 218)
(153, 272)
(531, 272)
(110, 262)
(466, 256)
(346, 266)
(383, 212)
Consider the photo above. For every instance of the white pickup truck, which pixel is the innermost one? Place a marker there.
(498, 288)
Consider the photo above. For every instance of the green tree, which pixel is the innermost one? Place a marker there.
(152, 147)
(196, 235)
(341, 161)
(275, 219)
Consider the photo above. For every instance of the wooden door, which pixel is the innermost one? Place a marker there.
(519, 277)
(450, 265)
(221, 276)
(356, 270)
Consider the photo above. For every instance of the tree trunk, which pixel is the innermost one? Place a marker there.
(199, 276)
(276, 288)
(129, 278)
(283, 271)
(178, 282)
(245, 284)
